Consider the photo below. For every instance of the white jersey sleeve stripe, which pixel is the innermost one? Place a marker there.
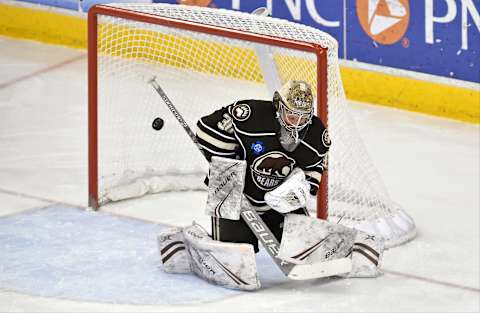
(252, 134)
(313, 174)
(312, 148)
(318, 164)
(215, 131)
(241, 145)
(312, 183)
(215, 142)
(216, 152)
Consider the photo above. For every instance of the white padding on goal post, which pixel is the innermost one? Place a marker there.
(133, 185)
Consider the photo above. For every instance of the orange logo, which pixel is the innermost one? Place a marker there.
(385, 21)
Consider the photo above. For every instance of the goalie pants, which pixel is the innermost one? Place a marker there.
(238, 231)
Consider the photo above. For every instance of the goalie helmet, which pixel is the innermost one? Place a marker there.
(294, 104)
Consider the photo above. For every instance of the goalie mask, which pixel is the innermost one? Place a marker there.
(294, 104)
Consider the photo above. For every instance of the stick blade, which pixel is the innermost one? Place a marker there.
(323, 269)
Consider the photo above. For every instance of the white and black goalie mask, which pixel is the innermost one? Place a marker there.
(294, 102)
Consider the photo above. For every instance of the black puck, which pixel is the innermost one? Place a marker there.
(157, 123)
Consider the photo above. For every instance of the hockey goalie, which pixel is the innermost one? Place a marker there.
(266, 156)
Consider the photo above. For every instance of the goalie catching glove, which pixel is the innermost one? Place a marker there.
(291, 195)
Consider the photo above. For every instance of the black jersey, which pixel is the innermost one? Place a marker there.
(249, 130)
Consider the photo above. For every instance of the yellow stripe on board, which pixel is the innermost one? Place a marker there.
(46, 26)
(360, 85)
(411, 94)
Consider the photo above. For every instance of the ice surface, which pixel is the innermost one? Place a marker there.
(83, 255)
(430, 165)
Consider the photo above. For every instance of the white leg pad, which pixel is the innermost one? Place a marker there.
(173, 254)
(231, 265)
(308, 240)
(367, 255)
(190, 249)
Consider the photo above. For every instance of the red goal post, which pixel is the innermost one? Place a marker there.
(96, 10)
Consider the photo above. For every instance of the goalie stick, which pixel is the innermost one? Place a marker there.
(258, 226)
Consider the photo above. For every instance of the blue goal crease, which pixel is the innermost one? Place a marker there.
(72, 253)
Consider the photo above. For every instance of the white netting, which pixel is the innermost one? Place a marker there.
(201, 73)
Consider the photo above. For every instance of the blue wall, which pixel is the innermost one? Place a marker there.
(432, 42)
(435, 49)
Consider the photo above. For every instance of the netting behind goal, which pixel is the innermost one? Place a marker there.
(205, 59)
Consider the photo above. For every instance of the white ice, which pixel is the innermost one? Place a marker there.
(430, 165)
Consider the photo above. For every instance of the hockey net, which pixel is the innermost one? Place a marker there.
(205, 59)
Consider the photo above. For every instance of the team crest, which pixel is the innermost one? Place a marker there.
(326, 138)
(269, 170)
(241, 112)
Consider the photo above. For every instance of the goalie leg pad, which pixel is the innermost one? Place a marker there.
(173, 255)
(367, 255)
(225, 187)
(308, 240)
(231, 265)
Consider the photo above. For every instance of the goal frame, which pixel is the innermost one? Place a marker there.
(321, 88)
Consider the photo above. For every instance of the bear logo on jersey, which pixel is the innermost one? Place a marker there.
(241, 112)
(269, 170)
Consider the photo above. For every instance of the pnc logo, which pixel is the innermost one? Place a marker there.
(385, 21)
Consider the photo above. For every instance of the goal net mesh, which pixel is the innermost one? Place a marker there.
(202, 72)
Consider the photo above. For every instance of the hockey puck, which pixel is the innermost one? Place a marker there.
(157, 123)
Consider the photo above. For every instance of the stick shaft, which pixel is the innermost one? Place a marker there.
(174, 111)
(264, 235)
